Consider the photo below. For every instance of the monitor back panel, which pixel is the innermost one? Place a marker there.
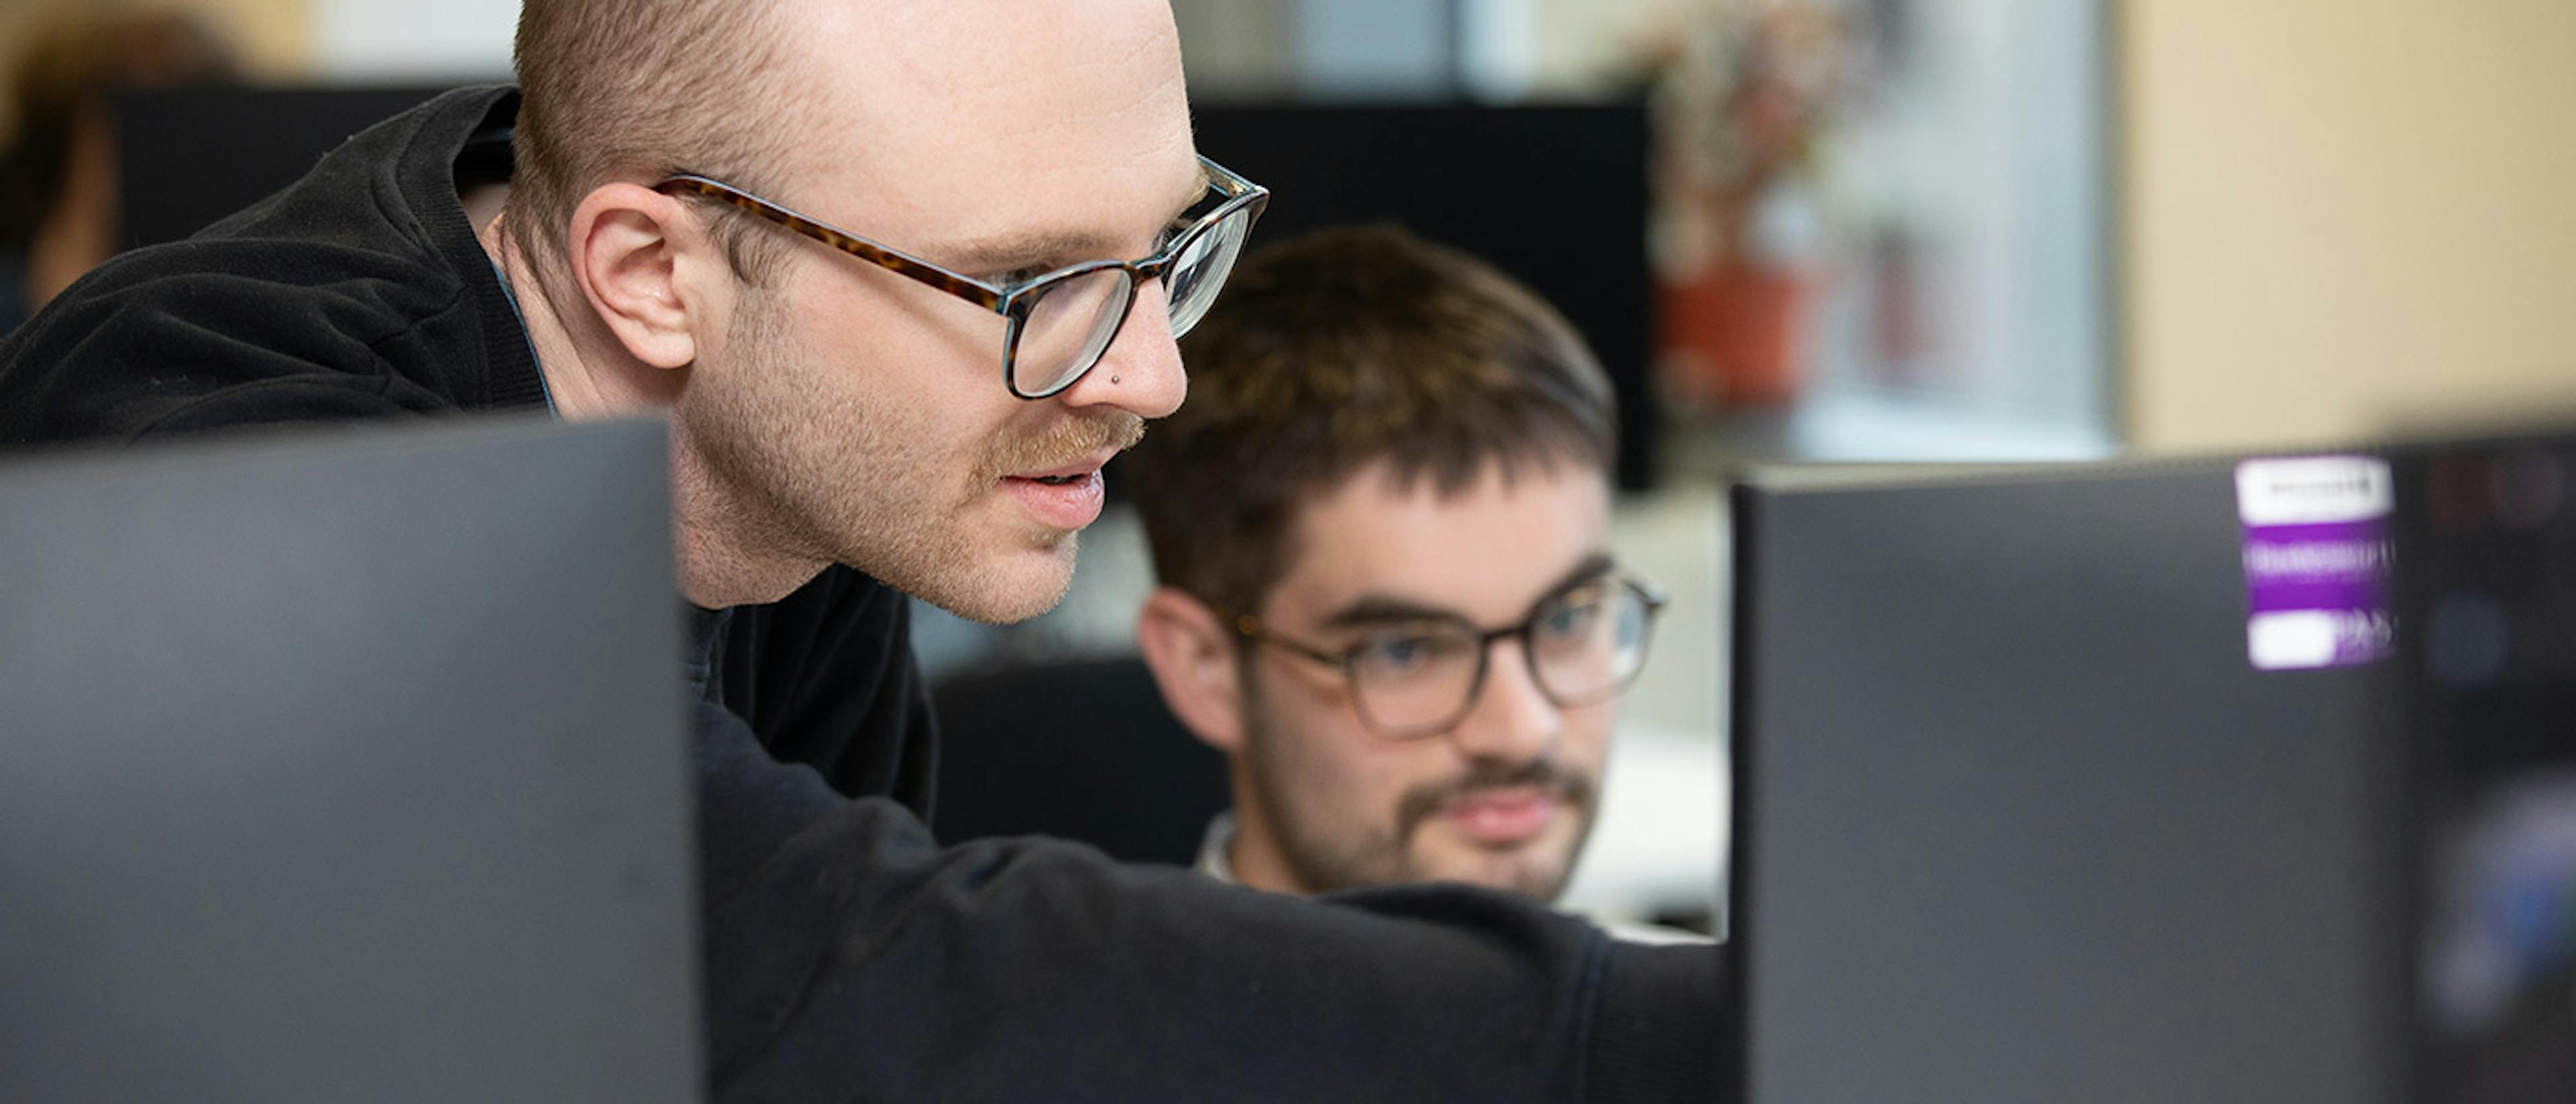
(347, 767)
(2018, 821)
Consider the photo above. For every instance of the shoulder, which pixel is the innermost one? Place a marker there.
(337, 297)
(255, 327)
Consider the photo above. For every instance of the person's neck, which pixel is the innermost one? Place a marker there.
(1254, 855)
(577, 392)
(719, 566)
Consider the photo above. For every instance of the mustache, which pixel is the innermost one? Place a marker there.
(1574, 788)
(1060, 443)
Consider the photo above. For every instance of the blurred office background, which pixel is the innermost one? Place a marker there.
(1907, 230)
(2152, 223)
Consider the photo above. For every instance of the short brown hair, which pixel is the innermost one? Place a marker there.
(1343, 349)
(637, 90)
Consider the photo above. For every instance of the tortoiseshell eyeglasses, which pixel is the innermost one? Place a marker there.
(1059, 323)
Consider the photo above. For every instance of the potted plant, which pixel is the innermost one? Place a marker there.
(1743, 95)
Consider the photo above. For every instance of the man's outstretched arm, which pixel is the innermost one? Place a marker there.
(851, 958)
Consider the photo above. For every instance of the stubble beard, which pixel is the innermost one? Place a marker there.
(1377, 854)
(814, 469)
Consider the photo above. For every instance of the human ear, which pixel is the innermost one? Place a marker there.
(642, 262)
(1193, 659)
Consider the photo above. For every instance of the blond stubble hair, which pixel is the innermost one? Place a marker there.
(635, 90)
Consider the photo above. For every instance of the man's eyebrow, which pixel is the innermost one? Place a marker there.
(1011, 252)
(1584, 570)
(1373, 610)
(989, 256)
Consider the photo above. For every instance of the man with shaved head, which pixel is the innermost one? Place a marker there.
(901, 275)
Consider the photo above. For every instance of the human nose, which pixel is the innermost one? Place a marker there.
(1140, 372)
(1512, 720)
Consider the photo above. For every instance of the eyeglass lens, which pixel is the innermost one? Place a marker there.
(1072, 322)
(1068, 327)
(1200, 269)
(1584, 647)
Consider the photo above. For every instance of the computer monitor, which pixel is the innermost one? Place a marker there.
(1553, 195)
(346, 766)
(2487, 616)
(2040, 801)
(189, 156)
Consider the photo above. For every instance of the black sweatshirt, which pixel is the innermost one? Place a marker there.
(848, 957)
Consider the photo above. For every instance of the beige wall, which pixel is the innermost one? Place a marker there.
(1575, 45)
(1235, 47)
(2345, 216)
(273, 35)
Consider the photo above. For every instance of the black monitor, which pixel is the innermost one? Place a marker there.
(2487, 610)
(1555, 196)
(1081, 749)
(2065, 784)
(190, 156)
(346, 767)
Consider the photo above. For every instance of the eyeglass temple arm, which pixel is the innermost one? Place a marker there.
(1251, 628)
(892, 260)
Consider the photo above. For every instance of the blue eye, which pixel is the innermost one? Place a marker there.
(1398, 653)
(1572, 617)
(1390, 656)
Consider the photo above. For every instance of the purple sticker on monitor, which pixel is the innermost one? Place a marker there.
(2316, 560)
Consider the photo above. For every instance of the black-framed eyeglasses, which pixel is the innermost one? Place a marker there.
(1060, 323)
(1584, 644)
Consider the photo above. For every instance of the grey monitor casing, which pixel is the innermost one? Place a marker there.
(2017, 821)
(348, 766)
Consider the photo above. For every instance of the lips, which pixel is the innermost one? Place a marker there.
(1066, 497)
(1070, 472)
(1504, 816)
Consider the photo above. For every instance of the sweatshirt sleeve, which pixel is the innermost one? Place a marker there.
(850, 958)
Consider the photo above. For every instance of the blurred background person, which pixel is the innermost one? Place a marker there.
(60, 188)
(1381, 524)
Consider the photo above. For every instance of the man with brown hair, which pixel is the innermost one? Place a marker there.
(901, 275)
(1381, 526)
